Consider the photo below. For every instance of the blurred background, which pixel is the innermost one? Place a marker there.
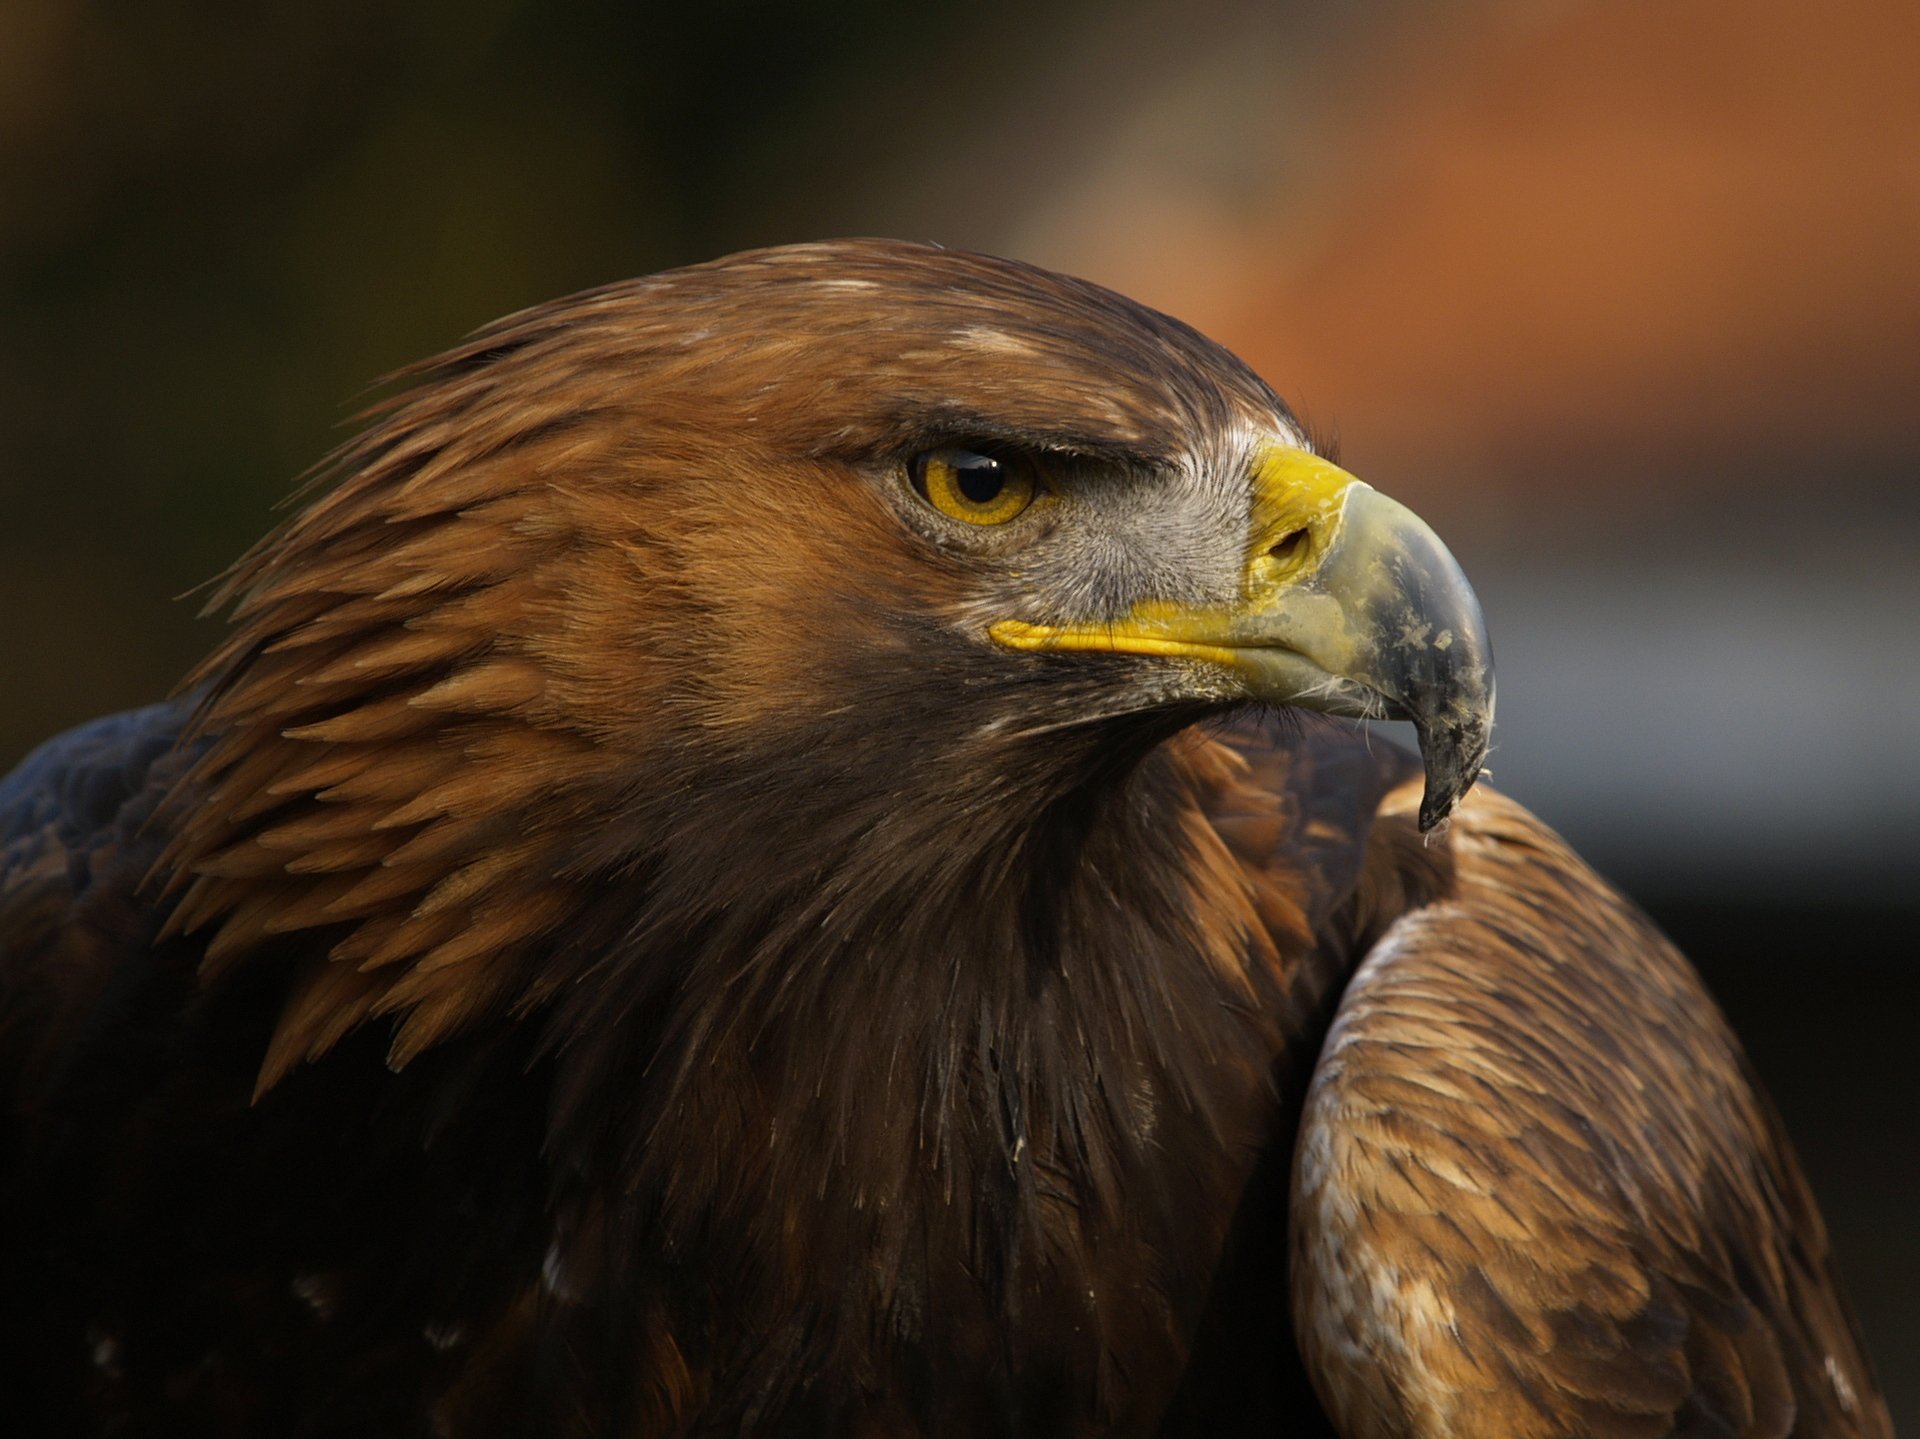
(1622, 295)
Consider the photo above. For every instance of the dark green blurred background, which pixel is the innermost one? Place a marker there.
(1621, 295)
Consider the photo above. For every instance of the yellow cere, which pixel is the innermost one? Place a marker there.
(1298, 499)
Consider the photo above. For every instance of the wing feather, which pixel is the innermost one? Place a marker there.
(1538, 1191)
(73, 848)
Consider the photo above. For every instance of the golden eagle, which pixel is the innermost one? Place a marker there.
(765, 857)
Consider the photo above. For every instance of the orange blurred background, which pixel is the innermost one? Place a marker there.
(1623, 295)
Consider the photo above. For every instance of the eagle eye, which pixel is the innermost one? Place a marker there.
(979, 489)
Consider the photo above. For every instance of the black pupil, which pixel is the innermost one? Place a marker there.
(980, 479)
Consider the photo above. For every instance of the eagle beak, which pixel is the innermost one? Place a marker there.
(1349, 605)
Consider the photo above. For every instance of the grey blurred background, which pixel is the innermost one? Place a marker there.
(1623, 295)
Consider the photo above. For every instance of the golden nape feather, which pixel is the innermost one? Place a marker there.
(781, 849)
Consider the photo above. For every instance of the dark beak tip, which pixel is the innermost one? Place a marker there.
(1436, 806)
(1452, 758)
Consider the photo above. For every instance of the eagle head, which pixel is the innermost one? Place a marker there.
(790, 562)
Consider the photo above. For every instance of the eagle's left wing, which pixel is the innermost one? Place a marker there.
(1537, 1190)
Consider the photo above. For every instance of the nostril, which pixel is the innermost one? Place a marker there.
(1289, 549)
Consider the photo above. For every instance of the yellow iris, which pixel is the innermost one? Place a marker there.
(980, 489)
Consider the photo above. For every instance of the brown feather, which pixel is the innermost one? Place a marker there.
(1531, 1147)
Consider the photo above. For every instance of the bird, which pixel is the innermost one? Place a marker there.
(793, 847)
